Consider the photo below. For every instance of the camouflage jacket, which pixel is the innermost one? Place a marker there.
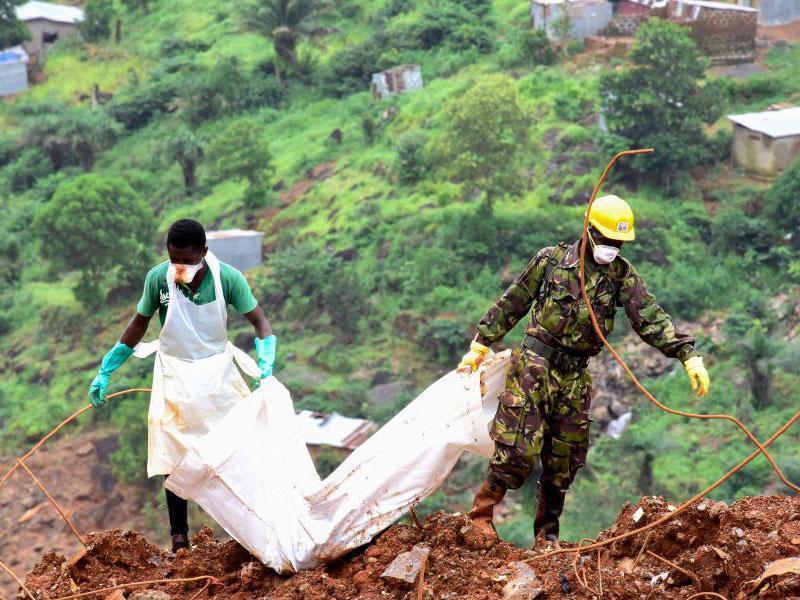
(559, 316)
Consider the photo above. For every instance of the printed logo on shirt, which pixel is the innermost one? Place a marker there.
(163, 296)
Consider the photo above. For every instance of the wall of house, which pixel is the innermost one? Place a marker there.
(242, 252)
(762, 155)
(13, 77)
(587, 17)
(726, 34)
(40, 28)
(778, 12)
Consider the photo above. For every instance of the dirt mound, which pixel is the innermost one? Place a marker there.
(715, 548)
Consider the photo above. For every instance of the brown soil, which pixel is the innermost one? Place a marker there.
(77, 473)
(723, 548)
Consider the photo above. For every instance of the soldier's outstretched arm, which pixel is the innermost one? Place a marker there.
(655, 327)
(506, 312)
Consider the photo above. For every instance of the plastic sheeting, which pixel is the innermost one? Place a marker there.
(254, 474)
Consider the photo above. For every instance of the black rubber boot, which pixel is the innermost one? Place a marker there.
(549, 506)
(179, 541)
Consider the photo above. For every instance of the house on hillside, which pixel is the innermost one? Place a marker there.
(334, 430)
(765, 143)
(586, 17)
(395, 81)
(13, 71)
(725, 32)
(48, 23)
(239, 248)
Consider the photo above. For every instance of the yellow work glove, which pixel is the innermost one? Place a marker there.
(698, 376)
(472, 359)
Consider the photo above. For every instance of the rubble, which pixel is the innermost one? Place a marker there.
(703, 542)
(406, 567)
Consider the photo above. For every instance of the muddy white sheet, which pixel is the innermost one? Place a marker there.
(254, 475)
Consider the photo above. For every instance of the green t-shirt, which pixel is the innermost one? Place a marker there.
(234, 287)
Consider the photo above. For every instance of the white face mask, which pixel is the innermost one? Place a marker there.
(603, 254)
(185, 273)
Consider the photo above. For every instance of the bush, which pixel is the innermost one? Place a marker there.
(528, 48)
(96, 225)
(447, 24)
(96, 25)
(31, 165)
(350, 69)
(411, 165)
(444, 340)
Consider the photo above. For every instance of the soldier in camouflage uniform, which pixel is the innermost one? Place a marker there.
(544, 411)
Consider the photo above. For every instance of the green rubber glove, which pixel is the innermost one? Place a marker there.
(266, 350)
(111, 362)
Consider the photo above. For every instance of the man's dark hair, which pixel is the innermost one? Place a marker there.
(187, 233)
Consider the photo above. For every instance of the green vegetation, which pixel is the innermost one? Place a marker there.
(380, 261)
(647, 112)
(12, 31)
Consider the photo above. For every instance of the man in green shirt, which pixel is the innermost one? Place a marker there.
(191, 292)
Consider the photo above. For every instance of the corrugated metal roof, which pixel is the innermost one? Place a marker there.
(774, 123)
(59, 13)
(319, 429)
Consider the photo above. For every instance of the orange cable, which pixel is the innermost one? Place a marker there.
(213, 580)
(22, 585)
(53, 502)
(62, 424)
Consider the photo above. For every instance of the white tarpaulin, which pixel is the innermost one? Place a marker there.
(253, 473)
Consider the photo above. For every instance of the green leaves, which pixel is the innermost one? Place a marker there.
(96, 225)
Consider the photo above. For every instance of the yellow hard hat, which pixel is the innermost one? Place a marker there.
(613, 218)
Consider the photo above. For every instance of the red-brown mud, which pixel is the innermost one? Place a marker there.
(718, 548)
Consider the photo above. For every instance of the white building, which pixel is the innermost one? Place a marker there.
(13, 71)
(765, 143)
(48, 23)
(586, 17)
(239, 248)
(397, 80)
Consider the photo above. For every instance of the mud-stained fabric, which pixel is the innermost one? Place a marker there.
(544, 412)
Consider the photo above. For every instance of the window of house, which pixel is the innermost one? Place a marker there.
(49, 37)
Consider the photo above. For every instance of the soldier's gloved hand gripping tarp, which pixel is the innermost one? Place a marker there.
(254, 475)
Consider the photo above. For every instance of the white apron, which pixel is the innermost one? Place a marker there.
(195, 379)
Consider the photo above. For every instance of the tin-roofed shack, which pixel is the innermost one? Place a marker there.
(765, 143)
(48, 23)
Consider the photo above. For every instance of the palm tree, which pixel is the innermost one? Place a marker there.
(283, 21)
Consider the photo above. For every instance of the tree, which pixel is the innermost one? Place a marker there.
(96, 24)
(88, 132)
(751, 335)
(70, 136)
(485, 130)
(12, 31)
(658, 100)
(97, 225)
(183, 147)
(283, 21)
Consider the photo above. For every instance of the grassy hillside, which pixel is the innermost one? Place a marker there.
(379, 271)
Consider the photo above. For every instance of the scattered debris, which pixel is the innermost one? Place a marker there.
(523, 584)
(407, 565)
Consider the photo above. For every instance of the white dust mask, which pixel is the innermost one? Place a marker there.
(185, 273)
(603, 254)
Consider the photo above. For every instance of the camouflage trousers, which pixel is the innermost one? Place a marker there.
(543, 413)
